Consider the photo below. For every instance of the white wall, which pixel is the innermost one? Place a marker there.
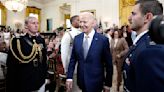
(52, 11)
(105, 10)
(13, 17)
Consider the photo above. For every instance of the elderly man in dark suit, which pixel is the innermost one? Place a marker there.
(141, 16)
(91, 52)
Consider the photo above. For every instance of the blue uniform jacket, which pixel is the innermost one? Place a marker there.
(129, 67)
(150, 69)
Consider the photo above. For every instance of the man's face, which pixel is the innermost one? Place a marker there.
(33, 25)
(136, 19)
(75, 22)
(86, 23)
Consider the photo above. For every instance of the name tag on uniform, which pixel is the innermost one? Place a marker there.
(127, 61)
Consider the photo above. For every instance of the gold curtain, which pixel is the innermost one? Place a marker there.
(3, 14)
(34, 10)
(125, 8)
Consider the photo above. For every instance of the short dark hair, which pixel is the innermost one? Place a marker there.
(150, 6)
(73, 18)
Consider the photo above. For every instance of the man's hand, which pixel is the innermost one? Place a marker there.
(69, 85)
(106, 89)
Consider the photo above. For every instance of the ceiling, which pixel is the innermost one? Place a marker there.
(43, 1)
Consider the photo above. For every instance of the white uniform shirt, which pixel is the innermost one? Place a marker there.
(66, 48)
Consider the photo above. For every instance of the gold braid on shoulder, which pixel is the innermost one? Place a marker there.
(20, 52)
(34, 52)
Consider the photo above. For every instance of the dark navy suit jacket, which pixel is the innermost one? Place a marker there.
(129, 67)
(90, 71)
(150, 69)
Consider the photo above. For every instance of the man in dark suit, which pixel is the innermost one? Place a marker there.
(91, 52)
(149, 68)
(141, 16)
(26, 62)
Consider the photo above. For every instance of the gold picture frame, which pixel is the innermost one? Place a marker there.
(91, 11)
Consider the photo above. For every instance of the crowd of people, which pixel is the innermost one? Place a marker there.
(85, 54)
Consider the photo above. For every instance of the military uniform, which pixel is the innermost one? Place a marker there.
(149, 71)
(26, 64)
(129, 66)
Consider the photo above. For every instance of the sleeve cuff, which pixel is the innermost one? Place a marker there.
(106, 87)
(69, 80)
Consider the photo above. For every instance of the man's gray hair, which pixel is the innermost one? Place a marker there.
(28, 19)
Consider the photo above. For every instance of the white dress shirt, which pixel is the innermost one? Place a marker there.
(133, 35)
(90, 37)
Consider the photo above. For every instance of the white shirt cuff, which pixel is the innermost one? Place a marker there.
(69, 80)
(106, 87)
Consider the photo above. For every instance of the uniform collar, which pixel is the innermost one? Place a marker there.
(75, 29)
(27, 35)
(139, 36)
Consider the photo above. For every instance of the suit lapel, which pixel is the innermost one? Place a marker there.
(133, 47)
(81, 45)
(93, 44)
(143, 38)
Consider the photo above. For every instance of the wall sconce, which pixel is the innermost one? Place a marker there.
(107, 22)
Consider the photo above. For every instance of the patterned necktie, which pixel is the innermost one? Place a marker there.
(85, 46)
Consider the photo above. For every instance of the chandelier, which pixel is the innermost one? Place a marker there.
(15, 5)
